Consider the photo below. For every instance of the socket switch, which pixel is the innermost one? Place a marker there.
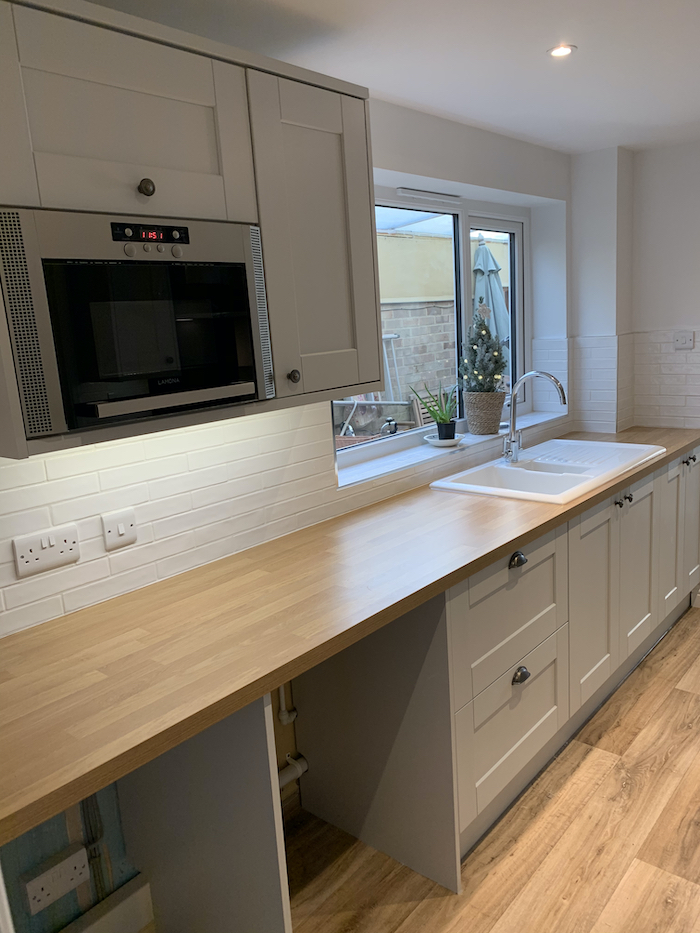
(46, 550)
(56, 877)
(684, 339)
(119, 529)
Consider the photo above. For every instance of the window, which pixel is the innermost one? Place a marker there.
(427, 301)
(496, 254)
(421, 323)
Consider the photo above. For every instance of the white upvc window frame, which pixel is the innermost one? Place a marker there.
(468, 214)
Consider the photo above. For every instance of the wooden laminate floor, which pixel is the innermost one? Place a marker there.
(607, 839)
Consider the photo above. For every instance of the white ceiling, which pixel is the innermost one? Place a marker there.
(634, 80)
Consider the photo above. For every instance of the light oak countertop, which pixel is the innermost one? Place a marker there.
(89, 697)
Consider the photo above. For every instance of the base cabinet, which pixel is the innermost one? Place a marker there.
(593, 600)
(691, 519)
(638, 610)
(499, 731)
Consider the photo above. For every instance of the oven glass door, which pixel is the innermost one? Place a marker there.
(133, 338)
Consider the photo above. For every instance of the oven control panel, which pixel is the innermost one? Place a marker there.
(149, 233)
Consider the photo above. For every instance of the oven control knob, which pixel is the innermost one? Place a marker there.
(130, 249)
(160, 248)
(128, 231)
(177, 252)
(147, 247)
(176, 234)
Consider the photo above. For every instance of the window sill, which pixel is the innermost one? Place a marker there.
(364, 463)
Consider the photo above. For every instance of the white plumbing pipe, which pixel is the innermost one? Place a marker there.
(285, 715)
(294, 770)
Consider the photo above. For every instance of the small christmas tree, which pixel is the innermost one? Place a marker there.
(483, 362)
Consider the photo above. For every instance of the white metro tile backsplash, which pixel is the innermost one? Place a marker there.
(199, 493)
(595, 372)
(666, 381)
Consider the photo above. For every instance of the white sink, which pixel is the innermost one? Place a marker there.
(557, 471)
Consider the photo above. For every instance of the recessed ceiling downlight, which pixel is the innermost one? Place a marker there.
(562, 50)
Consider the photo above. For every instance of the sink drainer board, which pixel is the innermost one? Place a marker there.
(556, 471)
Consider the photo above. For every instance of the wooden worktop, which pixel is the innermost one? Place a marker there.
(87, 698)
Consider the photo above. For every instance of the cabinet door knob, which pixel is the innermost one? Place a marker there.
(294, 376)
(520, 676)
(147, 186)
(517, 560)
(619, 503)
(692, 458)
(629, 497)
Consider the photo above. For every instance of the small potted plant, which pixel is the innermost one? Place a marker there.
(442, 407)
(481, 371)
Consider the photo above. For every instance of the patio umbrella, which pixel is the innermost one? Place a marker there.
(488, 290)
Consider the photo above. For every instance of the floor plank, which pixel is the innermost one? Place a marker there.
(649, 900)
(569, 891)
(673, 843)
(606, 840)
(618, 722)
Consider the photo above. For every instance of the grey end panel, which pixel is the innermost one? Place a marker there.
(263, 320)
(30, 327)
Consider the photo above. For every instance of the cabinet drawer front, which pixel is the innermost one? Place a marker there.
(506, 725)
(498, 615)
(91, 184)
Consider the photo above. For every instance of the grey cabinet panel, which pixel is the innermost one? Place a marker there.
(314, 198)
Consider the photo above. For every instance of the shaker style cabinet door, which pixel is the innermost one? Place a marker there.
(17, 175)
(691, 521)
(669, 496)
(314, 197)
(638, 603)
(594, 642)
(107, 110)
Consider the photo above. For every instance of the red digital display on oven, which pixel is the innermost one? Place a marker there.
(153, 234)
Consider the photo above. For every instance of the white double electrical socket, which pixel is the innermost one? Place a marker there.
(46, 550)
(119, 529)
(57, 876)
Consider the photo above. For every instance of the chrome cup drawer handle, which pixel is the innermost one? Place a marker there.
(517, 560)
(520, 676)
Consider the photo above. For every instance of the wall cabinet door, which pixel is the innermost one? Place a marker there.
(106, 110)
(593, 600)
(691, 520)
(18, 177)
(316, 214)
(638, 603)
(669, 530)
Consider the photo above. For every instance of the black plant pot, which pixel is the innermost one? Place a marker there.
(446, 432)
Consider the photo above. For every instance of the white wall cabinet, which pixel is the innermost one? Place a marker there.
(105, 110)
(315, 198)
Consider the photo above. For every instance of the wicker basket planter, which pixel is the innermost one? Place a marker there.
(483, 411)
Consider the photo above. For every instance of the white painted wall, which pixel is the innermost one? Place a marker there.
(594, 243)
(421, 144)
(667, 238)
(548, 248)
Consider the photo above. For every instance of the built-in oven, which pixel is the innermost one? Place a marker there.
(116, 319)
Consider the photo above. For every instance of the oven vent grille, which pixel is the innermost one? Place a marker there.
(22, 320)
(263, 321)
